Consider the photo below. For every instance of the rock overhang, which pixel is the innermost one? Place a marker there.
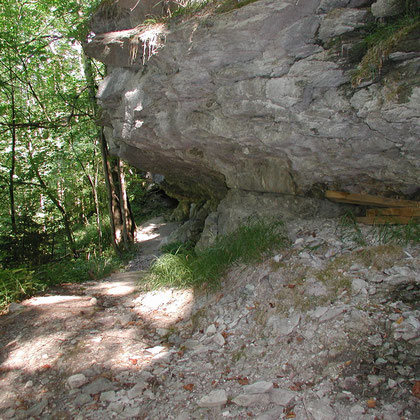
(253, 100)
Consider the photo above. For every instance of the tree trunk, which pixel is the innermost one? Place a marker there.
(128, 222)
(120, 218)
(56, 202)
(13, 165)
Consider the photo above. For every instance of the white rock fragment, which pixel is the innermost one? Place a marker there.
(321, 410)
(331, 314)
(108, 396)
(211, 329)
(219, 339)
(214, 399)
(318, 312)
(247, 400)
(282, 397)
(76, 381)
(260, 387)
(315, 288)
(359, 286)
(391, 383)
(283, 326)
(155, 350)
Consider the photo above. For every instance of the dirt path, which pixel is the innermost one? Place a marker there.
(101, 328)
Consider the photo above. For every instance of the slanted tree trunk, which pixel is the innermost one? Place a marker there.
(57, 203)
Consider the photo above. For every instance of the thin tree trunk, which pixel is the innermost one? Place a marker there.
(56, 202)
(13, 165)
(128, 222)
(120, 220)
(94, 188)
(113, 205)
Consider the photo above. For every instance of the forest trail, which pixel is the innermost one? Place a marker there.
(101, 328)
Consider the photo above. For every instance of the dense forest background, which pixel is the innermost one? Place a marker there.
(64, 202)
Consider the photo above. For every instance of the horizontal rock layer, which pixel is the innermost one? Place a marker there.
(259, 100)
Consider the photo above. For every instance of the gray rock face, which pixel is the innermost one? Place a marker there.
(253, 102)
(385, 8)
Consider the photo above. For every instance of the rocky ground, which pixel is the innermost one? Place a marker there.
(325, 329)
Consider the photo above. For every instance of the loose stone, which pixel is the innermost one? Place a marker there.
(215, 399)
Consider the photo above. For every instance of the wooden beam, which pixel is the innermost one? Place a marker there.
(369, 200)
(403, 211)
(384, 220)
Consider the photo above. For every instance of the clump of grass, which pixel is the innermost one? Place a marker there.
(229, 5)
(189, 8)
(349, 230)
(16, 284)
(186, 268)
(380, 43)
(384, 234)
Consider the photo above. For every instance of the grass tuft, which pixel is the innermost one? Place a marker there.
(17, 284)
(402, 235)
(381, 42)
(183, 267)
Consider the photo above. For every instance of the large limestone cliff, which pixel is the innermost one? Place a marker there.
(258, 103)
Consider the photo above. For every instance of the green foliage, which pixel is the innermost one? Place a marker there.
(382, 40)
(382, 234)
(16, 284)
(229, 5)
(183, 267)
(190, 8)
(19, 283)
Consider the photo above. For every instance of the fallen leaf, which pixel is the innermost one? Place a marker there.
(371, 403)
(189, 387)
(225, 334)
(276, 385)
(290, 286)
(133, 361)
(348, 363)
(399, 320)
(290, 415)
(416, 389)
(46, 366)
(131, 323)
(243, 381)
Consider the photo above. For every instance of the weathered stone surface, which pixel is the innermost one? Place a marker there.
(97, 386)
(76, 381)
(385, 8)
(258, 387)
(248, 400)
(342, 21)
(282, 326)
(214, 399)
(249, 102)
